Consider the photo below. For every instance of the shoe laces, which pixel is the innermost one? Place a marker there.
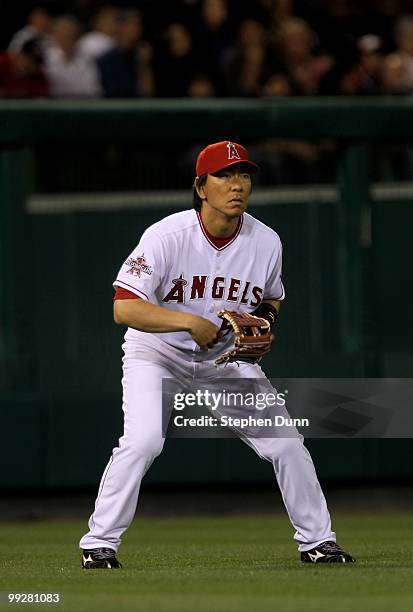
(103, 553)
(331, 547)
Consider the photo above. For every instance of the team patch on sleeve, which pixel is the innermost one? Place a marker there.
(137, 265)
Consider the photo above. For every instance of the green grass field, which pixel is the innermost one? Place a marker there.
(229, 564)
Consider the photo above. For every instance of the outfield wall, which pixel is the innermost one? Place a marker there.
(348, 311)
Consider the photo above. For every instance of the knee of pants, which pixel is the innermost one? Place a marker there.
(282, 448)
(147, 448)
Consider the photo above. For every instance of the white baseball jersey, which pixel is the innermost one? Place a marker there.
(176, 266)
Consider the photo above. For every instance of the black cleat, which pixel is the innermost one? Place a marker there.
(327, 552)
(100, 558)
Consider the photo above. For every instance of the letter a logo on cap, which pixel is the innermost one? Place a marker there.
(232, 151)
(222, 154)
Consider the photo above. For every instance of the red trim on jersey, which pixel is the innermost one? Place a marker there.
(124, 294)
(220, 243)
(134, 288)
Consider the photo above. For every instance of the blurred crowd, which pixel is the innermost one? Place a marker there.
(206, 48)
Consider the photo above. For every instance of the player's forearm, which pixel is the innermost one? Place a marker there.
(147, 317)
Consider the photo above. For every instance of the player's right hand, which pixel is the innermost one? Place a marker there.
(204, 332)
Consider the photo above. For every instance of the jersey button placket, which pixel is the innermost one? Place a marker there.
(210, 305)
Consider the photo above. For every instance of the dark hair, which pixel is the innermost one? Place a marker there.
(199, 182)
(33, 49)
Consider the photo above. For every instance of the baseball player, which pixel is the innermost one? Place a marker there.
(186, 269)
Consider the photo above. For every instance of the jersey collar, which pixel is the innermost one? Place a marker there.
(228, 240)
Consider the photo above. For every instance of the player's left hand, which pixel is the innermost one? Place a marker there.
(253, 337)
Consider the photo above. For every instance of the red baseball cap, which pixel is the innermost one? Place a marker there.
(220, 155)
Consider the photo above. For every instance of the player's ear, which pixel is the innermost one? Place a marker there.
(199, 187)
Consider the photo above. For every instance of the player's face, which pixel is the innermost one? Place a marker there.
(227, 191)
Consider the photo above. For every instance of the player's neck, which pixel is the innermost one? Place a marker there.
(219, 226)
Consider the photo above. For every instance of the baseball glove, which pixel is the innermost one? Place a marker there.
(253, 337)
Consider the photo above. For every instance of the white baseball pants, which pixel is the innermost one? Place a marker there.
(145, 363)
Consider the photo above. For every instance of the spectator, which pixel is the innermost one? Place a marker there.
(398, 66)
(176, 63)
(296, 42)
(216, 32)
(39, 25)
(21, 74)
(381, 20)
(279, 11)
(71, 75)
(214, 35)
(335, 25)
(126, 70)
(364, 78)
(103, 36)
(246, 65)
